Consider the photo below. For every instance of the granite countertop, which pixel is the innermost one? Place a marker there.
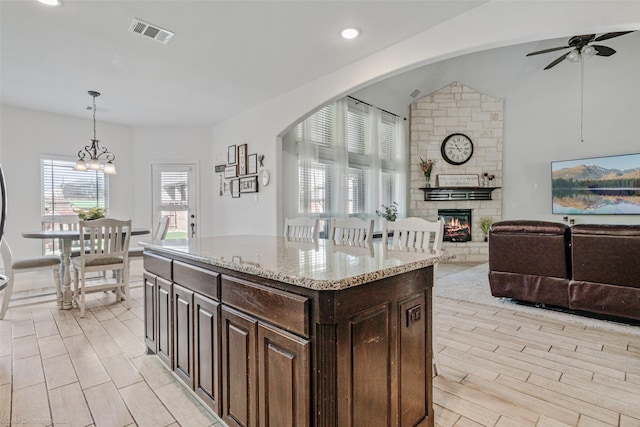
(319, 265)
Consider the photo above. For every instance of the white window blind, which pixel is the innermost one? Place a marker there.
(349, 161)
(174, 195)
(64, 190)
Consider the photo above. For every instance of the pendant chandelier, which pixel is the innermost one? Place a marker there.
(89, 158)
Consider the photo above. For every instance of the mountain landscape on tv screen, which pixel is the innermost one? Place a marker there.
(593, 189)
(595, 172)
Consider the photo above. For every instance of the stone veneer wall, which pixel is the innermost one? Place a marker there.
(457, 109)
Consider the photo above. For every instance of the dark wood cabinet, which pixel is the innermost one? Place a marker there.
(183, 347)
(239, 368)
(150, 311)
(284, 371)
(164, 319)
(260, 352)
(207, 351)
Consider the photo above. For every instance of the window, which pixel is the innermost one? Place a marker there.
(347, 160)
(65, 191)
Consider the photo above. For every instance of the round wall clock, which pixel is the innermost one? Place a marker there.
(457, 149)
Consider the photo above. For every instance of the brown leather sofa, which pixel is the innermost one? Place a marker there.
(529, 261)
(587, 267)
(605, 261)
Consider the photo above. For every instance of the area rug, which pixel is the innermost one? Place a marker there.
(472, 285)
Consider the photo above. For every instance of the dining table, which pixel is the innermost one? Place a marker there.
(66, 238)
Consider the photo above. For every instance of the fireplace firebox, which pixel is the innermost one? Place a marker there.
(457, 224)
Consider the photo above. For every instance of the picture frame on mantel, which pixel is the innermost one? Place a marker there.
(458, 180)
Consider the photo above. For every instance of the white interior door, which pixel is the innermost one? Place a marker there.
(174, 194)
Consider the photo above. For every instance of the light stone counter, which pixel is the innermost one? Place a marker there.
(319, 265)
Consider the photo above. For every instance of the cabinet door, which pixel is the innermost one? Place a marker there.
(283, 376)
(183, 334)
(207, 351)
(150, 312)
(239, 369)
(164, 336)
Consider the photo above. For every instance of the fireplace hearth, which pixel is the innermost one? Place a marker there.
(457, 224)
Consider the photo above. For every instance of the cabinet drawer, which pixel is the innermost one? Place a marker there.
(201, 280)
(157, 265)
(283, 309)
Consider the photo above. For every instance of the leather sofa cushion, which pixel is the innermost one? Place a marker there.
(527, 227)
(534, 248)
(608, 254)
(606, 230)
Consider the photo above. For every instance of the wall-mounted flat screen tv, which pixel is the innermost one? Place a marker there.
(596, 186)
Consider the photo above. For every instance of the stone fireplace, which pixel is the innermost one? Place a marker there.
(458, 108)
(457, 224)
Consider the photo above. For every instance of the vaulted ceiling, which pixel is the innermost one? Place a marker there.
(227, 56)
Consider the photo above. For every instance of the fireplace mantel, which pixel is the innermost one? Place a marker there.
(457, 193)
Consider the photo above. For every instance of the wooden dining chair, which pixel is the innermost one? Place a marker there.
(105, 244)
(60, 222)
(417, 233)
(351, 230)
(13, 266)
(302, 228)
(159, 233)
(414, 233)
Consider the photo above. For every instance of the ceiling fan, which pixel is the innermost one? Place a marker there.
(580, 46)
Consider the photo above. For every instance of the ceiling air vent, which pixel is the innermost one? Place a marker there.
(149, 30)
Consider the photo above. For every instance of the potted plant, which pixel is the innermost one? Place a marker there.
(485, 225)
(91, 214)
(390, 213)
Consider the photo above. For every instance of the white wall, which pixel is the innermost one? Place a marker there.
(493, 24)
(542, 123)
(169, 144)
(27, 134)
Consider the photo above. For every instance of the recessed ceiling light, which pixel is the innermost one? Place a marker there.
(51, 2)
(350, 33)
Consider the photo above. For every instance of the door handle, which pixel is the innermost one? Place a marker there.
(193, 229)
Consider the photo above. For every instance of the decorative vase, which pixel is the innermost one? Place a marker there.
(427, 176)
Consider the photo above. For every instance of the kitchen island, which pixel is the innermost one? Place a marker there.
(273, 332)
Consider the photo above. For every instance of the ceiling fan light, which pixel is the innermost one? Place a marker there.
(588, 51)
(573, 56)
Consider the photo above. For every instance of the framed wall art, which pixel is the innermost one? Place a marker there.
(242, 159)
(252, 164)
(231, 171)
(235, 188)
(231, 155)
(454, 180)
(249, 184)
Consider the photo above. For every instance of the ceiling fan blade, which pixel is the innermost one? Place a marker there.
(603, 50)
(557, 61)
(553, 49)
(608, 36)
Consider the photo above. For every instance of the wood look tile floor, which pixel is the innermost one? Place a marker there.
(499, 368)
